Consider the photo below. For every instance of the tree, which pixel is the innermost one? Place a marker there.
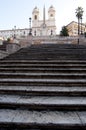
(8, 39)
(64, 31)
(85, 34)
(79, 14)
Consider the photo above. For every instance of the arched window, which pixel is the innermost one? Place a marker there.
(51, 32)
(51, 15)
(35, 33)
(35, 17)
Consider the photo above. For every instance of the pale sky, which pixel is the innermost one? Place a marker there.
(17, 12)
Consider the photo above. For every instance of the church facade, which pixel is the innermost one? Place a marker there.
(44, 27)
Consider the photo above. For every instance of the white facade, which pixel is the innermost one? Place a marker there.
(14, 33)
(39, 27)
(43, 27)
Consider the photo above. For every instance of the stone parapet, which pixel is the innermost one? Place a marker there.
(3, 54)
(54, 39)
(11, 48)
(25, 41)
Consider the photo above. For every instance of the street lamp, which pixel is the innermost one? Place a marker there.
(30, 30)
(14, 32)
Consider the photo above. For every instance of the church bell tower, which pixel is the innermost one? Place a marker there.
(51, 13)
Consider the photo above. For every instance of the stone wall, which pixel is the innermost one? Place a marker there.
(11, 48)
(1, 42)
(82, 40)
(25, 41)
(59, 40)
(3, 54)
(54, 39)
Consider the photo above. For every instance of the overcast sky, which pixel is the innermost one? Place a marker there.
(17, 12)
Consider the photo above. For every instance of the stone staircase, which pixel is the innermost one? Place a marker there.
(43, 87)
(51, 52)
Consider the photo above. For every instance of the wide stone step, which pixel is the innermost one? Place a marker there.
(42, 65)
(52, 45)
(49, 57)
(43, 75)
(51, 50)
(42, 62)
(43, 70)
(42, 102)
(47, 52)
(43, 90)
(43, 120)
(43, 82)
(45, 55)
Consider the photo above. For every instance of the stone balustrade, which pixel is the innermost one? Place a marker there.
(54, 39)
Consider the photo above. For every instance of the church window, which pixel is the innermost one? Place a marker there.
(51, 32)
(35, 17)
(34, 33)
(24, 32)
(51, 15)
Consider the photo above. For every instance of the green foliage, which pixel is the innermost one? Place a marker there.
(79, 12)
(8, 40)
(85, 34)
(79, 15)
(64, 31)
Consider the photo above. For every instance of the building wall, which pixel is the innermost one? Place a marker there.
(14, 33)
(38, 28)
(44, 27)
(73, 28)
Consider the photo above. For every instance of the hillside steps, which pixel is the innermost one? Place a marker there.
(50, 52)
(42, 94)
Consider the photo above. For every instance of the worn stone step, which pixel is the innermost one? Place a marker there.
(43, 120)
(48, 52)
(42, 102)
(49, 57)
(43, 91)
(46, 91)
(42, 62)
(35, 69)
(52, 45)
(42, 82)
(66, 55)
(43, 75)
(42, 65)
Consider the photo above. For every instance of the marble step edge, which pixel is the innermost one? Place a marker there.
(43, 119)
(43, 61)
(22, 80)
(43, 65)
(42, 74)
(42, 103)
